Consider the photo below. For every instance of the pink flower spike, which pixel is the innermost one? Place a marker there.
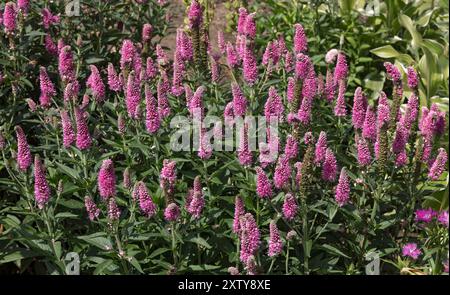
(359, 109)
(242, 20)
(114, 82)
(275, 243)
(250, 26)
(340, 108)
(239, 100)
(263, 185)
(195, 14)
(289, 207)
(342, 195)
(47, 88)
(244, 154)
(239, 211)
(300, 41)
(83, 140)
(370, 125)
(91, 208)
(291, 147)
(10, 17)
(24, 158)
(282, 173)
(107, 180)
(172, 212)
(329, 168)
(152, 120)
(68, 133)
(41, 187)
(95, 83)
(321, 148)
(438, 166)
(146, 204)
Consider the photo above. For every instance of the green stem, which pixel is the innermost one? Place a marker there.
(287, 258)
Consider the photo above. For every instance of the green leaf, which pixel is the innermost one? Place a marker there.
(385, 51)
(99, 240)
(332, 250)
(200, 241)
(16, 254)
(68, 171)
(136, 264)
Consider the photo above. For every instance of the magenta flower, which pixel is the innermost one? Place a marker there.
(400, 139)
(50, 46)
(113, 210)
(195, 14)
(413, 79)
(71, 91)
(443, 218)
(300, 41)
(275, 243)
(425, 215)
(150, 69)
(364, 155)
(298, 175)
(68, 134)
(132, 95)
(205, 149)
(321, 148)
(107, 180)
(114, 81)
(250, 237)
(172, 212)
(263, 185)
(168, 175)
(152, 121)
(83, 140)
(291, 147)
(289, 62)
(250, 26)
(383, 115)
(242, 20)
(214, 68)
(411, 250)
(329, 167)
(228, 114)
(23, 5)
(127, 53)
(239, 100)
(178, 74)
(412, 110)
(47, 88)
(196, 205)
(239, 211)
(304, 112)
(250, 68)
(370, 125)
(290, 90)
(65, 64)
(146, 204)
(48, 18)
(341, 69)
(340, 109)
(232, 57)
(274, 105)
(147, 30)
(244, 154)
(359, 109)
(91, 208)
(10, 17)
(195, 106)
(41, 187)
(95, 83)
(342, 195)
(289, 207)
(23, 150)
(401, 158)
(393, 72)
(162, 90)
(438, 166)
(282, 173)
(233, 271)
(303, 66)
(221, 42)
